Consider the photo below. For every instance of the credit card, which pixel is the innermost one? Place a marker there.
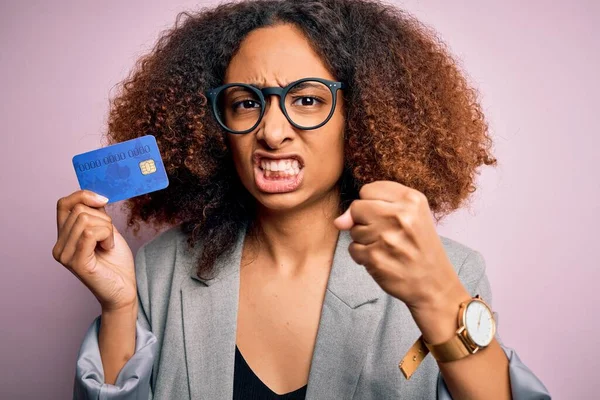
(123, 170)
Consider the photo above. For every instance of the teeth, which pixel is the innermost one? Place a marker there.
(279, 169)
(289, 165)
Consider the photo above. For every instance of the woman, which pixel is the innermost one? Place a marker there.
(308, 145)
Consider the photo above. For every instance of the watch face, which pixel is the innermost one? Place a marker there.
(479, 323)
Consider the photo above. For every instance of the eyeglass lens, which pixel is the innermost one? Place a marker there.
(307, 103)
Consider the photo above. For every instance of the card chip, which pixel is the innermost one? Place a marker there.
(147, 167)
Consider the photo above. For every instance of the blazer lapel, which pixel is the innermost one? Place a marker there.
(349, 318)
(209, 310)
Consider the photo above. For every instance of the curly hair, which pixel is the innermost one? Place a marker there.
(411, 115)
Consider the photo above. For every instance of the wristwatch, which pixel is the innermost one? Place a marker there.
(476, 330)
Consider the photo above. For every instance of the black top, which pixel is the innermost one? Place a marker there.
(248, 386)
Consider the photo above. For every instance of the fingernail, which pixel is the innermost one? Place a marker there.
(101, 198)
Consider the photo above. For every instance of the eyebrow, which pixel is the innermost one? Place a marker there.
(258, 85)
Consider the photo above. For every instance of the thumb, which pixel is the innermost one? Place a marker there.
(344, 221)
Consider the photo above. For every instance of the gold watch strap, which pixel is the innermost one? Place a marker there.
(411, 361)
(451, 350)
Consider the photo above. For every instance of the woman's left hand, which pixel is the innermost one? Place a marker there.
(394, 237)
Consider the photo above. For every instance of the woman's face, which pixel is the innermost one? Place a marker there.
(313, 159)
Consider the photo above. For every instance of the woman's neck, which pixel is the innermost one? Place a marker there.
(291, 242)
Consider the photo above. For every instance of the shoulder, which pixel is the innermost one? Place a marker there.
(157, 257)
(165, 240)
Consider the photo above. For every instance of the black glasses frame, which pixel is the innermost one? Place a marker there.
(212, 95)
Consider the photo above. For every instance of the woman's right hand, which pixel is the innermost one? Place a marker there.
(90, 246)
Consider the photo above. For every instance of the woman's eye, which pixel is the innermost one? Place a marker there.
(305, 101)
(245, 104)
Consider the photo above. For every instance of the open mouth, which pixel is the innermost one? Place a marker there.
(278, 175)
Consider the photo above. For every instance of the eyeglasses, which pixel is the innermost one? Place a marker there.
(307, 103)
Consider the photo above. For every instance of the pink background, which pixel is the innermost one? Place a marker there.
(534, 218)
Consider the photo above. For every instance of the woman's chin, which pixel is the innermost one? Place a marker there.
(292, 202)
(281, 202)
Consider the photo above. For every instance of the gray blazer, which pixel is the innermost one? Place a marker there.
(186, 332)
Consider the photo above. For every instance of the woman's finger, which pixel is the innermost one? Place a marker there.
(84, 221)
(364, 234)
(85, 249)
(359, 253)
(65, 205)
(70, 221)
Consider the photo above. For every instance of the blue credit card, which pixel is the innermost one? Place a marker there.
(122, 170)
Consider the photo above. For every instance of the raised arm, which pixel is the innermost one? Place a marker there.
(116, 357)
(133, 380)
(523, 384)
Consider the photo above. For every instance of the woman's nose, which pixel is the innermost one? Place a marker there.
(274, 127)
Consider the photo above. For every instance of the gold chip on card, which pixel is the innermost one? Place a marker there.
(147, 167)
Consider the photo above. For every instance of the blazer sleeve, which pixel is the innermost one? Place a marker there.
(133, 381)
(524, 384)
